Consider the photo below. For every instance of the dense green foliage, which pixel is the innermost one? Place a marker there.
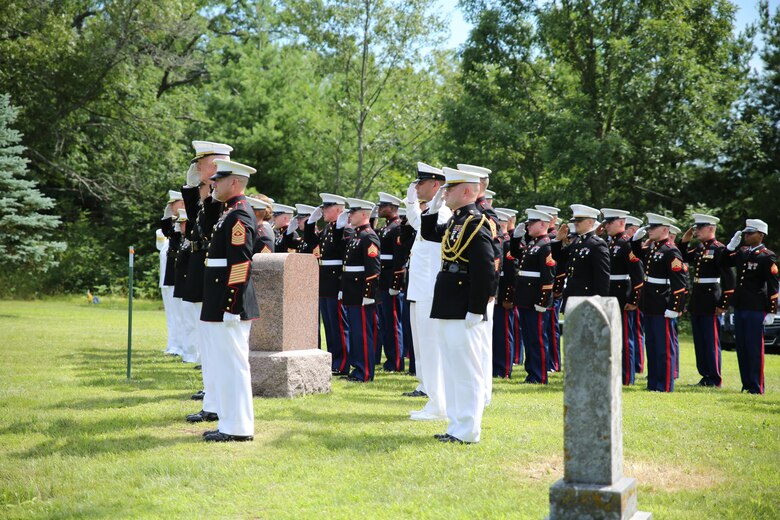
(647, 105)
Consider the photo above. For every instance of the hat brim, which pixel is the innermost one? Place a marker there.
(751, 229)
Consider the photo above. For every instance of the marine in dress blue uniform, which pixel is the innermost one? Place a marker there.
(264, 243)
(626, 279)
(632, 225)
(662, 300)
(405, 242)
(554, 324)
(359, 287)
(390, 301)
(754, 300)
(533, 290)
(504, 311)
(711, 290)
(517, 339)
(328, 247)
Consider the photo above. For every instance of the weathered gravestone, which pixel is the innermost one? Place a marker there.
(283, 354)
(593, 484)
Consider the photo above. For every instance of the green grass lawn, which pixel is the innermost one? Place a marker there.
(79, 440)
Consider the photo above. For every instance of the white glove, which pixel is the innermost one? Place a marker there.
(769, 319)
(230, 319)
(342, 220)
(168, 211)
(292, 227)
(374, 212)
(437, 202)
(393, 292)
(519, 230)
(671, 314)
(735, 240)
(193, 176)
(640, 233)
(411, 193)
(340, 296)
(539, 308)
(368, 301)
(315, 215)
(472, 320)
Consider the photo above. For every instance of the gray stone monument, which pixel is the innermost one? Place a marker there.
(593, 484)
(283, 356)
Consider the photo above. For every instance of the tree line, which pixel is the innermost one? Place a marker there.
(646, 105)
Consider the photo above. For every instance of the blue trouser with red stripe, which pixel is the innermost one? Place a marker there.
(336, 332)
(676, 345)
(391, 329)
(749, 334)
(659, 341)
(519, 357)
(533, 327)
(503, 341)
(706, 344)
(362, 328)
(554, 337)
(628, 347)
(639, 341)
(406, 324)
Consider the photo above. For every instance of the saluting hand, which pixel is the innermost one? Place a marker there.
(735, 241)
(688, 235)
(167, 212)
(519, 230)
(193, 176)
(292, 227)
(437, 202)
(640, 233)
(315, 215)
(342, 220)
(411, 193)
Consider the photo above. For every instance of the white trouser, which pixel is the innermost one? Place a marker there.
(180, 339)
(210, 402)
(426, 334)
(189, 331)
(170, 319)
(486, 346)
(463, 378)
(228, 347)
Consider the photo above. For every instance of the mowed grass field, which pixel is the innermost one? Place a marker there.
(77, 439)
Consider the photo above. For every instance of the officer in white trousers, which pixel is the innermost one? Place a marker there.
(424, 265)
(460, 299)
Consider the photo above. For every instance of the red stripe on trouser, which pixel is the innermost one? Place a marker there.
(365, 342)
(396, 323)
(626, 354)
(507, 343)
(344, 354)
(668, 355)
(715, 344)
(554, 342)
(641, 347)
(761, 379)
(541, 346)
(516, 313)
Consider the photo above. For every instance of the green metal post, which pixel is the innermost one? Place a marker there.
(130, 312)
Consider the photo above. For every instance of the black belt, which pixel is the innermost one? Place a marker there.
(454, 267)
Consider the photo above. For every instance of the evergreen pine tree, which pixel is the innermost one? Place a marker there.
(25, 230)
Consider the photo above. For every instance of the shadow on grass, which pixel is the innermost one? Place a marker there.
(359, 443)
(88, 438)
(105, 367)
(117, 402)
(304, 415)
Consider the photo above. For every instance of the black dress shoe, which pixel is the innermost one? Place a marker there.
(198, 396)
(440, 436)
(337, 373)
(416, 393)
(202, 416)
(224, 437)
(210, 432)
(454, 440)
(198, 367)
(353, 379)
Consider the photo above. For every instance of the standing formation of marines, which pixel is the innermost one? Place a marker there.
(465, 292)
